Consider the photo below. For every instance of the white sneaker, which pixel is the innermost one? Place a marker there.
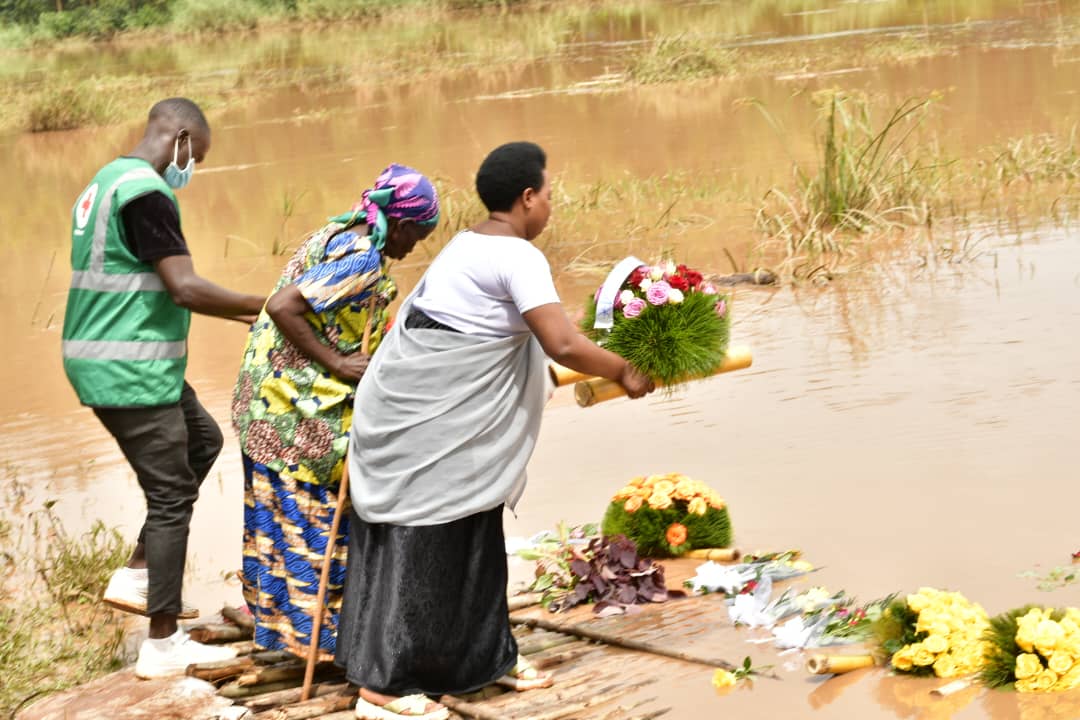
(128, 589)
(171, 656)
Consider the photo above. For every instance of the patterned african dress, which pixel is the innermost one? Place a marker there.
(292, 419)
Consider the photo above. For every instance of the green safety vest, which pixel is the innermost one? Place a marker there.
(125, 340)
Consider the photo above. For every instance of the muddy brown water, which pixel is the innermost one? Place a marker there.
(910, 428)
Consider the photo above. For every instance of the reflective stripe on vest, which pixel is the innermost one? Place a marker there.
(123, 350)
(107, 282)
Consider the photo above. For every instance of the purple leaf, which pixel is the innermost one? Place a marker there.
(580, 568)
(608, 608)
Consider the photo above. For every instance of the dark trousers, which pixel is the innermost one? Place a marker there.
(171, 449)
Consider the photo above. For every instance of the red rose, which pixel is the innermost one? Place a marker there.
(679, 283)
(638, 275)
(693, 277)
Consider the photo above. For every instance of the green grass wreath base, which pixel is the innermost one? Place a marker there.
(669, 343)
(647, 527)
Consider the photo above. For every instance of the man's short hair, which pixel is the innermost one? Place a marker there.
(506, 173)
(182, 110)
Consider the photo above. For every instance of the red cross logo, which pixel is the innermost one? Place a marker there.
(83, 207)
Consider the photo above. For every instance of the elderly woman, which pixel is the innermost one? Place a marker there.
(450, 412)
(293, 403)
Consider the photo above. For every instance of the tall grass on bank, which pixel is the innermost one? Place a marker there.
(868, 178)
(66, 107)
(680, 58)
(54, 632)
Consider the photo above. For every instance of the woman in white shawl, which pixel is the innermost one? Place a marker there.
(452, 406)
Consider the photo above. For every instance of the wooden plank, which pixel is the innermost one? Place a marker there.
(663, 645)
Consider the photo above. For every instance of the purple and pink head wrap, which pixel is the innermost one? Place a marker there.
(399, 192)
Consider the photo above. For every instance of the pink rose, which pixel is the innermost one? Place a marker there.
(657, 293)
(721, 308)
(707, 288)
(633, 308)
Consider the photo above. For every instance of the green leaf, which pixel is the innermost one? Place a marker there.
(543, 582)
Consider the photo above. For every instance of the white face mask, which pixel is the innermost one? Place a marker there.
(174, 176)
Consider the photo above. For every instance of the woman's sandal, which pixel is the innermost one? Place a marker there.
(411, 707)
(523, 676)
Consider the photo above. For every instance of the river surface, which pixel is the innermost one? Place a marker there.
(907, 428)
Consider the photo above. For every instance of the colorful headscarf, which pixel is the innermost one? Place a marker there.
(399, 192)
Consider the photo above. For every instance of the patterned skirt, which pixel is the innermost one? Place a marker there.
(286, 524)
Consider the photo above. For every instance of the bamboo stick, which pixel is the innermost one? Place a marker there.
(837, 664)
(626, 643)
(530, 646)
(212, 671)
(598, 390)
(612, 692)
(238, 618)
(308, 709)
(292, 695)
(565, 656)
(219, 633)
(468, 709)
(715, 554)
(562, 375)
(289, 670)
(952, 688)
(237, 692)
(272, 657)
(242, 647)
(520, 602)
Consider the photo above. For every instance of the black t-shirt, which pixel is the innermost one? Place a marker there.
(152, 227)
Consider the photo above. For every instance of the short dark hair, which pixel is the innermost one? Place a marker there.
(186, 112)
(506, 173)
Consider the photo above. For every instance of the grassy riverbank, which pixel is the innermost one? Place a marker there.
(320, 46)
(54, 632)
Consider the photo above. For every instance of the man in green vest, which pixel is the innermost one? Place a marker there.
(133, 289)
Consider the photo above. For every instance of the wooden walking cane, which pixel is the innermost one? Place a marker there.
(328, 555)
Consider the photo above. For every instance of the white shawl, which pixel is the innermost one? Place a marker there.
(444, 424)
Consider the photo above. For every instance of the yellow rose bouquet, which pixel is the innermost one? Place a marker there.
(668, 515)
(1036, 649)
(933, 633)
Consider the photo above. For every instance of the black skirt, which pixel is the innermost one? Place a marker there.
(425, 607)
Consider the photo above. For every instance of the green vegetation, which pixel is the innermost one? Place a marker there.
(868, 178)
(68, 107)
(681, 58)
(876, 181)
(54, 632)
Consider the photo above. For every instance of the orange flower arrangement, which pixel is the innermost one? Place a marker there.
(668, 514)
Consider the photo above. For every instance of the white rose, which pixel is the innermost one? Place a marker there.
(675, 296)
(669, 268)
(626, 296)
(645, 284)
(656, 273)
